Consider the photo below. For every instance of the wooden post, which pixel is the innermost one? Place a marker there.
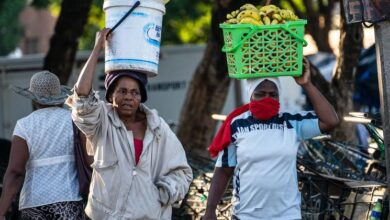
(382, 39)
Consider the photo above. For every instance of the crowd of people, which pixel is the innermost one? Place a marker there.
(139, 166)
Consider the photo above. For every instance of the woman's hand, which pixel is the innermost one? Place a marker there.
(84, 83)
(100, 38)
(305, 78)
(2, 217)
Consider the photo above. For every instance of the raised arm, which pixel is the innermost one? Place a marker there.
(84, 82)
(327, 116)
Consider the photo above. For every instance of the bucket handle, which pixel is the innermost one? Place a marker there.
(254, 29)
(136, 4)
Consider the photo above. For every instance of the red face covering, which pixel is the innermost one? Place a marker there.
(264, 109)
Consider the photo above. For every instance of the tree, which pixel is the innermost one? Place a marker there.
(340, 90)
(64, 43)
(351, 43)
(319, 16)
(10, 29)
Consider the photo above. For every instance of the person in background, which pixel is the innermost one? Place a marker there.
(42, 156)
(140, 167)
(257, 145)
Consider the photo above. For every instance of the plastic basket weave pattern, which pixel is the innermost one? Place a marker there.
(264, 51)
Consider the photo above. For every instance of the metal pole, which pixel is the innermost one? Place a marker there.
(382, 39)
(2, 91)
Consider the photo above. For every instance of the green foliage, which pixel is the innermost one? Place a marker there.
(40, 3)
(186, 21)
(96, 21)
(298, 3)
(10, 29)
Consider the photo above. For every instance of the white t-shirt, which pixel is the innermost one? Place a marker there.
(264, 156)
(50, 170)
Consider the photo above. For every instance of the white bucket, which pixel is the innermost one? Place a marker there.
(135, 44)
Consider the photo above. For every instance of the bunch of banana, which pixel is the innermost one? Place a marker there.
(288, 15)
(271, 14)
(247, 14)
(266, 15)
(232, 17)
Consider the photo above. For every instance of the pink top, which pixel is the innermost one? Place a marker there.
(138, 145)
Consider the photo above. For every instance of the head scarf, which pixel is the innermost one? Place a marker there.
(251, 85)
(139, 77)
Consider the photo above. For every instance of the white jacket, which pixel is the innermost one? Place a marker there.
(119, 189)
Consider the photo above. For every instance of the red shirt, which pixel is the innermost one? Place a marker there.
(138, 145)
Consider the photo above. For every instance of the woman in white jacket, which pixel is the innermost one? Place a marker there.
(140, 167)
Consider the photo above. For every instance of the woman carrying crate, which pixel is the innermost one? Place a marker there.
(257, 146)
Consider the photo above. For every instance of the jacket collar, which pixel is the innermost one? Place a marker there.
(152, 117)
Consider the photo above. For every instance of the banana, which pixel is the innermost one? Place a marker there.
(261, 22)
(282, 14)
(266, 20)
(285, 14)
(248, 7)
(266, 15)
(288, 15)
(232, 21)
(249, 20)
(268, 7)
(275, 21)
(235, 13)
(271, 11)
(263, 9)
(248, 13)
(277, 17)
(262, 14)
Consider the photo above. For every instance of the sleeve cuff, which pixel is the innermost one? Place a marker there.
(83, 104)
(164, 196)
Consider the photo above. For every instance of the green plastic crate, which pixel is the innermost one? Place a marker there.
(254, 51)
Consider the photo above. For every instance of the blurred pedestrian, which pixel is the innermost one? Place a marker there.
(42, 159)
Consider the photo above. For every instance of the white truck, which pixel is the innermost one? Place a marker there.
(166, 91)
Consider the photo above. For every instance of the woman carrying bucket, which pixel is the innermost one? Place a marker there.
(140, 167)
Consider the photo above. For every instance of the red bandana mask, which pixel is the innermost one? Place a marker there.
(264, 109)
